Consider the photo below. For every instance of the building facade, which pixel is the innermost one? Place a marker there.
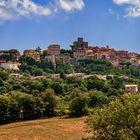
(54, 49)
(131, 88)
(33, 54)
(10, 65)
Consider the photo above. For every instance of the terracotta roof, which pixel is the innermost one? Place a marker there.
(29, 51)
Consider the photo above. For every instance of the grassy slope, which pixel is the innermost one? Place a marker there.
(46, 129)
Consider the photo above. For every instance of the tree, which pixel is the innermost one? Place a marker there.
(120, 120)
(1, 83)
(117, 82)
(65, 68)
(79, 105)
(26, 103)
(95, 83)
(4, 103)
(49, 101)
(38, 49)
(38, 72)
(4, 75)
(97, 98)
(58, 88)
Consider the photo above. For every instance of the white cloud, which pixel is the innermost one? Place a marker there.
(69, 5)
(134, 8)
(13, 9)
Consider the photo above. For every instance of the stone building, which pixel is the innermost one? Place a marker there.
(131, 88)
(33, 54)
(79, 44)
(54, 49)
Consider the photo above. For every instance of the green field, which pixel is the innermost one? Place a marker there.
(45, 129)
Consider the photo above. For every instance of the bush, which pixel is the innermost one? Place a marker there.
(62, 112)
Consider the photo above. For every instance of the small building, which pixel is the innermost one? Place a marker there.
(54, 49)
(33, 54)
(16, 75)
(131, 88)
(10, 65)
(115, 62)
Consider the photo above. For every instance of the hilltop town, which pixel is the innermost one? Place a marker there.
(59, 83)
(79, 50)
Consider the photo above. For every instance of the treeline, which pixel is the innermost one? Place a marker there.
(21, 106)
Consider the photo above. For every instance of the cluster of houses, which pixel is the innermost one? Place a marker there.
(81, 50)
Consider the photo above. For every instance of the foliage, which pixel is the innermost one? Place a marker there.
(20, 106)
(120, 120)
(79, 105)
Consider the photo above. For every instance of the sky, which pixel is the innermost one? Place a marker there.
(26, 24)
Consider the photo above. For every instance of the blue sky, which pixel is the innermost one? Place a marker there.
(32, 23)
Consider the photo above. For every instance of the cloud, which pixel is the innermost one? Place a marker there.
(14, 9)
(69, 5)
(133, 10)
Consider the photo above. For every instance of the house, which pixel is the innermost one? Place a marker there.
(115, 62)
(54, 49)
(131, 88)
(33, 54)
(10, 65)
(16, 75)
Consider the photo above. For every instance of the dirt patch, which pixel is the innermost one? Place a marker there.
(46, 129)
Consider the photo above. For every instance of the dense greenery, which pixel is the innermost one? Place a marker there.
(102, 67)
(105, 67)
(24, 98)
(94, 66)
(119, 120)
(43, 67)
(35, 98)
(21, 106)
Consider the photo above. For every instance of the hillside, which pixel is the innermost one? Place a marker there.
(45, 129)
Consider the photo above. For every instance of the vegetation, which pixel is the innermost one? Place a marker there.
(113, 115)
(25, 98)
(105, 67)
(20, 106)
(119, 120)
(102, 67)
